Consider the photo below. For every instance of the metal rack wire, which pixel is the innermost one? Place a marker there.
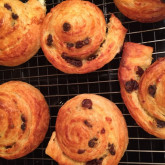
(57, 87)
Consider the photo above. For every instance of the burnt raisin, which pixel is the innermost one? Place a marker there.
(131, 85)
(23, 126)
(91, 57)
(87, 103)
(14, 16)
(79, 44)
(80, 151)
(139, 71)
(152, 90)
(160, 123)
(92, 143)
(111, 149)
(7, 6)
(69, 45)
(49, 40)
(66, 27)
(72, 61)
(103, 131)
(86, 122)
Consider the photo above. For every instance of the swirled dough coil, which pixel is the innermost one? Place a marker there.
(143, 87)
(24, 119)
(20, 27)
(90, 129)
(74, 38)
(145, 11)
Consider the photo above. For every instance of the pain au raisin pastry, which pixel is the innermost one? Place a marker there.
(20, 25)
(145, 11)
(90, 130)
(24, 119)
(74, 38)
(143, 87)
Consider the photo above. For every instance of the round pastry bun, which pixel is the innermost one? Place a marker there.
(74, 37)
(90, 129)
(145, 11)
(20, 27)
(24, 116)
(143, 87)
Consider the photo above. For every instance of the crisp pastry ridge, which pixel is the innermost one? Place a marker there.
(20, 27)
(24, 116)
(90, 129)
(145, 11)
(142, 87)
(74, 38)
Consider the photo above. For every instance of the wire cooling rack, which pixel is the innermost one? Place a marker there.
(57, 87)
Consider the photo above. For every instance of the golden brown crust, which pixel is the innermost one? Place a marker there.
(24, 116)
(93, 132)
(143, 93)
(145, 11)
(85, 23)
(20, 25)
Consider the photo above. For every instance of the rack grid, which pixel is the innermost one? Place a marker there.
(58, 87)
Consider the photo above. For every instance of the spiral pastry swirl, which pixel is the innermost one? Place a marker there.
(24, 117)
(89, 130)
(20, 25)
(74, 38)
(146, 11)
(142, 87)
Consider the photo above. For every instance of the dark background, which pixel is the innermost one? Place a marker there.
(58, 87)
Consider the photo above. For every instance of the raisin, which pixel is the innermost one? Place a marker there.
(79, 44)
(140, 71)
(7, 6)
(49, 40)
(152, 90)
(10, 146)
(131, 85)
(80, 151)
(72, 61)
(23, 118)
(7, 147)
(91, 57)
(95, 162)
(160, 123)
(103, 131)
(14, 16)
(87, 103)
(69, 45)
(102, 43)
(86, 122)
(23, 126)
(92, 143)
(163, 1)
(86, 41)
(111, 149)
(66, 26)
